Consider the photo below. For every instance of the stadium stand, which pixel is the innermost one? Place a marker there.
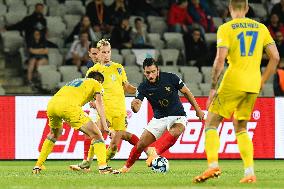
(63, 16)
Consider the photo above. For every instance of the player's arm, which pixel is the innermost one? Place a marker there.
(272, 52)
(218, 65)
(128, 88)
(101, 111)
(189, 96)
(217, 69)
(92, 104)
(136, 103)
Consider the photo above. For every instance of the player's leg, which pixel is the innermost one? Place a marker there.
(154, 130)
(79, 120)
(129, 137)
(88, 148)
(113, 146)
(241, 115)
(89, 153)
(168, 139)
(246, 149)
(223, 105)
(118, 125)
(48, 144)
(145, 140)
(212, 143)
(55, 124)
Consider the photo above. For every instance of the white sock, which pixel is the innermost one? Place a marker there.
(249, 171)
(213, 165)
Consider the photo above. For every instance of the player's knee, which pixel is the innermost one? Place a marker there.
(177, 130)
(141, 146)
(55, 133)
(240, 125)
(126, 136)
(113, 146)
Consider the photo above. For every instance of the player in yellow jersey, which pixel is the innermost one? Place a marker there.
(66, 105)
(115, 85)
(241, 41)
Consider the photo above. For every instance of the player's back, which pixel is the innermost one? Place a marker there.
(78, 92)
(245, 39)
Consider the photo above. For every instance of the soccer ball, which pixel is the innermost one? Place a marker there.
(160, 165)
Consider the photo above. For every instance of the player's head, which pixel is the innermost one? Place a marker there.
(97, 76)
(104, 53)
(93, 51)
(151, 69)
(238, 7)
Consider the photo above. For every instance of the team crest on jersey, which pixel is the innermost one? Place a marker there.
(119, 70)
(113, 77)
(168, 89)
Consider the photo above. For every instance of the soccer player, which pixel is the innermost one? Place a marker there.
(115, 84)
(161, 89)
(241, 41)
(66, 105)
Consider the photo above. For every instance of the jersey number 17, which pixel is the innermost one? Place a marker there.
(242, 36)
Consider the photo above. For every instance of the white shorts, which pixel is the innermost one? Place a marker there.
(158, 126)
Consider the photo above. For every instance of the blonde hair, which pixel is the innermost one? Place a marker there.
(239, 4)
(103, 42)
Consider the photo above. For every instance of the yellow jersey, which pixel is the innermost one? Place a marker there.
(114, 77)
(79, 91)
(245, 39)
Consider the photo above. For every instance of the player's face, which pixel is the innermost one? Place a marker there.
(151, 73)
(93, 54)
(104, 54)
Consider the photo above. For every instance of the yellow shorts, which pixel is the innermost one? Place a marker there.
(117, 122)
(227, 102)
(57, 111)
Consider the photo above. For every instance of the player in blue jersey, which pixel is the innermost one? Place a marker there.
(161, 90)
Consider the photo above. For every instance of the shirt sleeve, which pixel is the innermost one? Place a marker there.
(177, 82)
(267, 37)
(222, 37)
(98, 88)
(139, 93)
(123, 75)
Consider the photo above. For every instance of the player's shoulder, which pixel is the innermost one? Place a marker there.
(142, 86)
(168, 75)
(225, 25)
(91, 81)
(94, 67)
(116, 65)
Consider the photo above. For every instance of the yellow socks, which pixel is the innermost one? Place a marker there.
(212, 144)
(100, 152)
(45, 151)
(110, 153)
(91, 153)
(246, 150)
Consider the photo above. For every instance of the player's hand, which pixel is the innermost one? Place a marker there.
(262, 86)
(135, 105)
(212, 93)
(200, 114)
(110, 133)
(92, 104)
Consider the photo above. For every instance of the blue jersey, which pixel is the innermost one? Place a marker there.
(163, 95)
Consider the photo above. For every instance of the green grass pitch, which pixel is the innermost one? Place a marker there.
(17, 174)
